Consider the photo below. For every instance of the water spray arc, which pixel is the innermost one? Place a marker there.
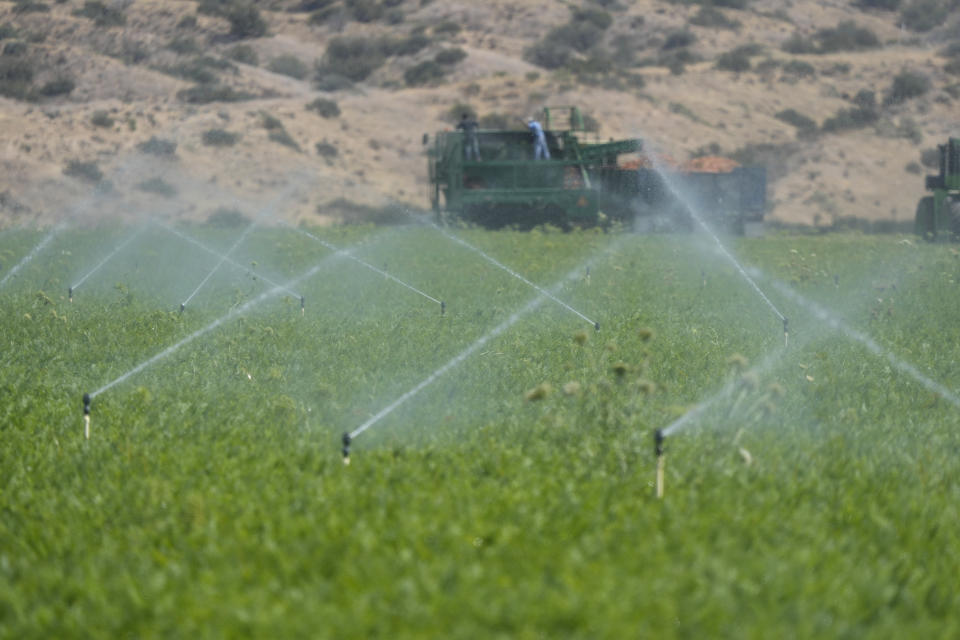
(347, 254)
(532, 305)
(692, 210)
(223, 258)
(73, 288)
(500, 265)
(228, 259)
(33, 253)
(833, 321)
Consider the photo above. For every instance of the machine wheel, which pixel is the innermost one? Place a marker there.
(953, 206)
(924, 223)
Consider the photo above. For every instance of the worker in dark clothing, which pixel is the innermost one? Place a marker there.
(540, 149)
(471, 145)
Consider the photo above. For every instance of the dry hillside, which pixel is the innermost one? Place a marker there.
(144, 105)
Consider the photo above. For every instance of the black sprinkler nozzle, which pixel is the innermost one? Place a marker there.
(596, 326)
(70, 293)
(443, 307)
(346, 446)
(658, 439)
(303, 302)
(786, 325)
(182, 307)
(86, 404)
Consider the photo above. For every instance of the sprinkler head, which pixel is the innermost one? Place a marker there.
(658, 439)
(346, 447)
(182, 307)
(596, 326)
(86, 404)
(443, 307)
(303, 302)
(836, 280)
(70, 293)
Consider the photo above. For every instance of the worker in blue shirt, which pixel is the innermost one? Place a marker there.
(540, 149)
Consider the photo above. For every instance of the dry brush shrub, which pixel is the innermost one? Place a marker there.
(324, 108)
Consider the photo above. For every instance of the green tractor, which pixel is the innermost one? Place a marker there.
(584, 183)
(938, 216)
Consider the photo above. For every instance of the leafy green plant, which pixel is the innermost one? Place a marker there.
(326, 150)
(61, 85)
(805, 125)
(354, 58)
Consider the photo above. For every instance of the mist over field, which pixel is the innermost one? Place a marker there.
(251, 386)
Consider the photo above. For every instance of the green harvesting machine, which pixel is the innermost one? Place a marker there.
(938, 215)
(585, 182)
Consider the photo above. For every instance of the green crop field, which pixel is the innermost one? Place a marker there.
(503, 483)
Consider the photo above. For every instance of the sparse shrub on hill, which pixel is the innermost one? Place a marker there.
(246, 22)
(29, 6)
(499, 121)
(187, 22)
(806, 126)
(326, 151)
(924, 15)
(336, 14)
(101, 119)
(850, 118)
(799, 45)
(281, 136)
(906, 86)
(737, 60)
(309, 6)
(16, 76)
(270, 122)
(184, 45)
(846, 36)
(548, 54)
(366, 10)
(709, 16)
(423, 73)
(353, 57)
(408, 46)
(158, 186)
(244, 54)
(930, 158)
(101, 14)
(597, 17)
(15, 48)
(799, 69)
(289, 65)
(86, 171)
(62, 85)
(7, 31)
(220, 138)
(678, 39)
(207, 93)
(324, 107)
(332, 82)
(447, 29)
(450, 57)
(158, 147)
(887, 5)
(728, 4)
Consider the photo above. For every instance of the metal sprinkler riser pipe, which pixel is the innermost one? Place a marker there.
(346, 447)
(786, 331)
(658, 449)
(86, 415)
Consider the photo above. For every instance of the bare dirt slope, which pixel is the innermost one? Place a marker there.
(650, 70)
